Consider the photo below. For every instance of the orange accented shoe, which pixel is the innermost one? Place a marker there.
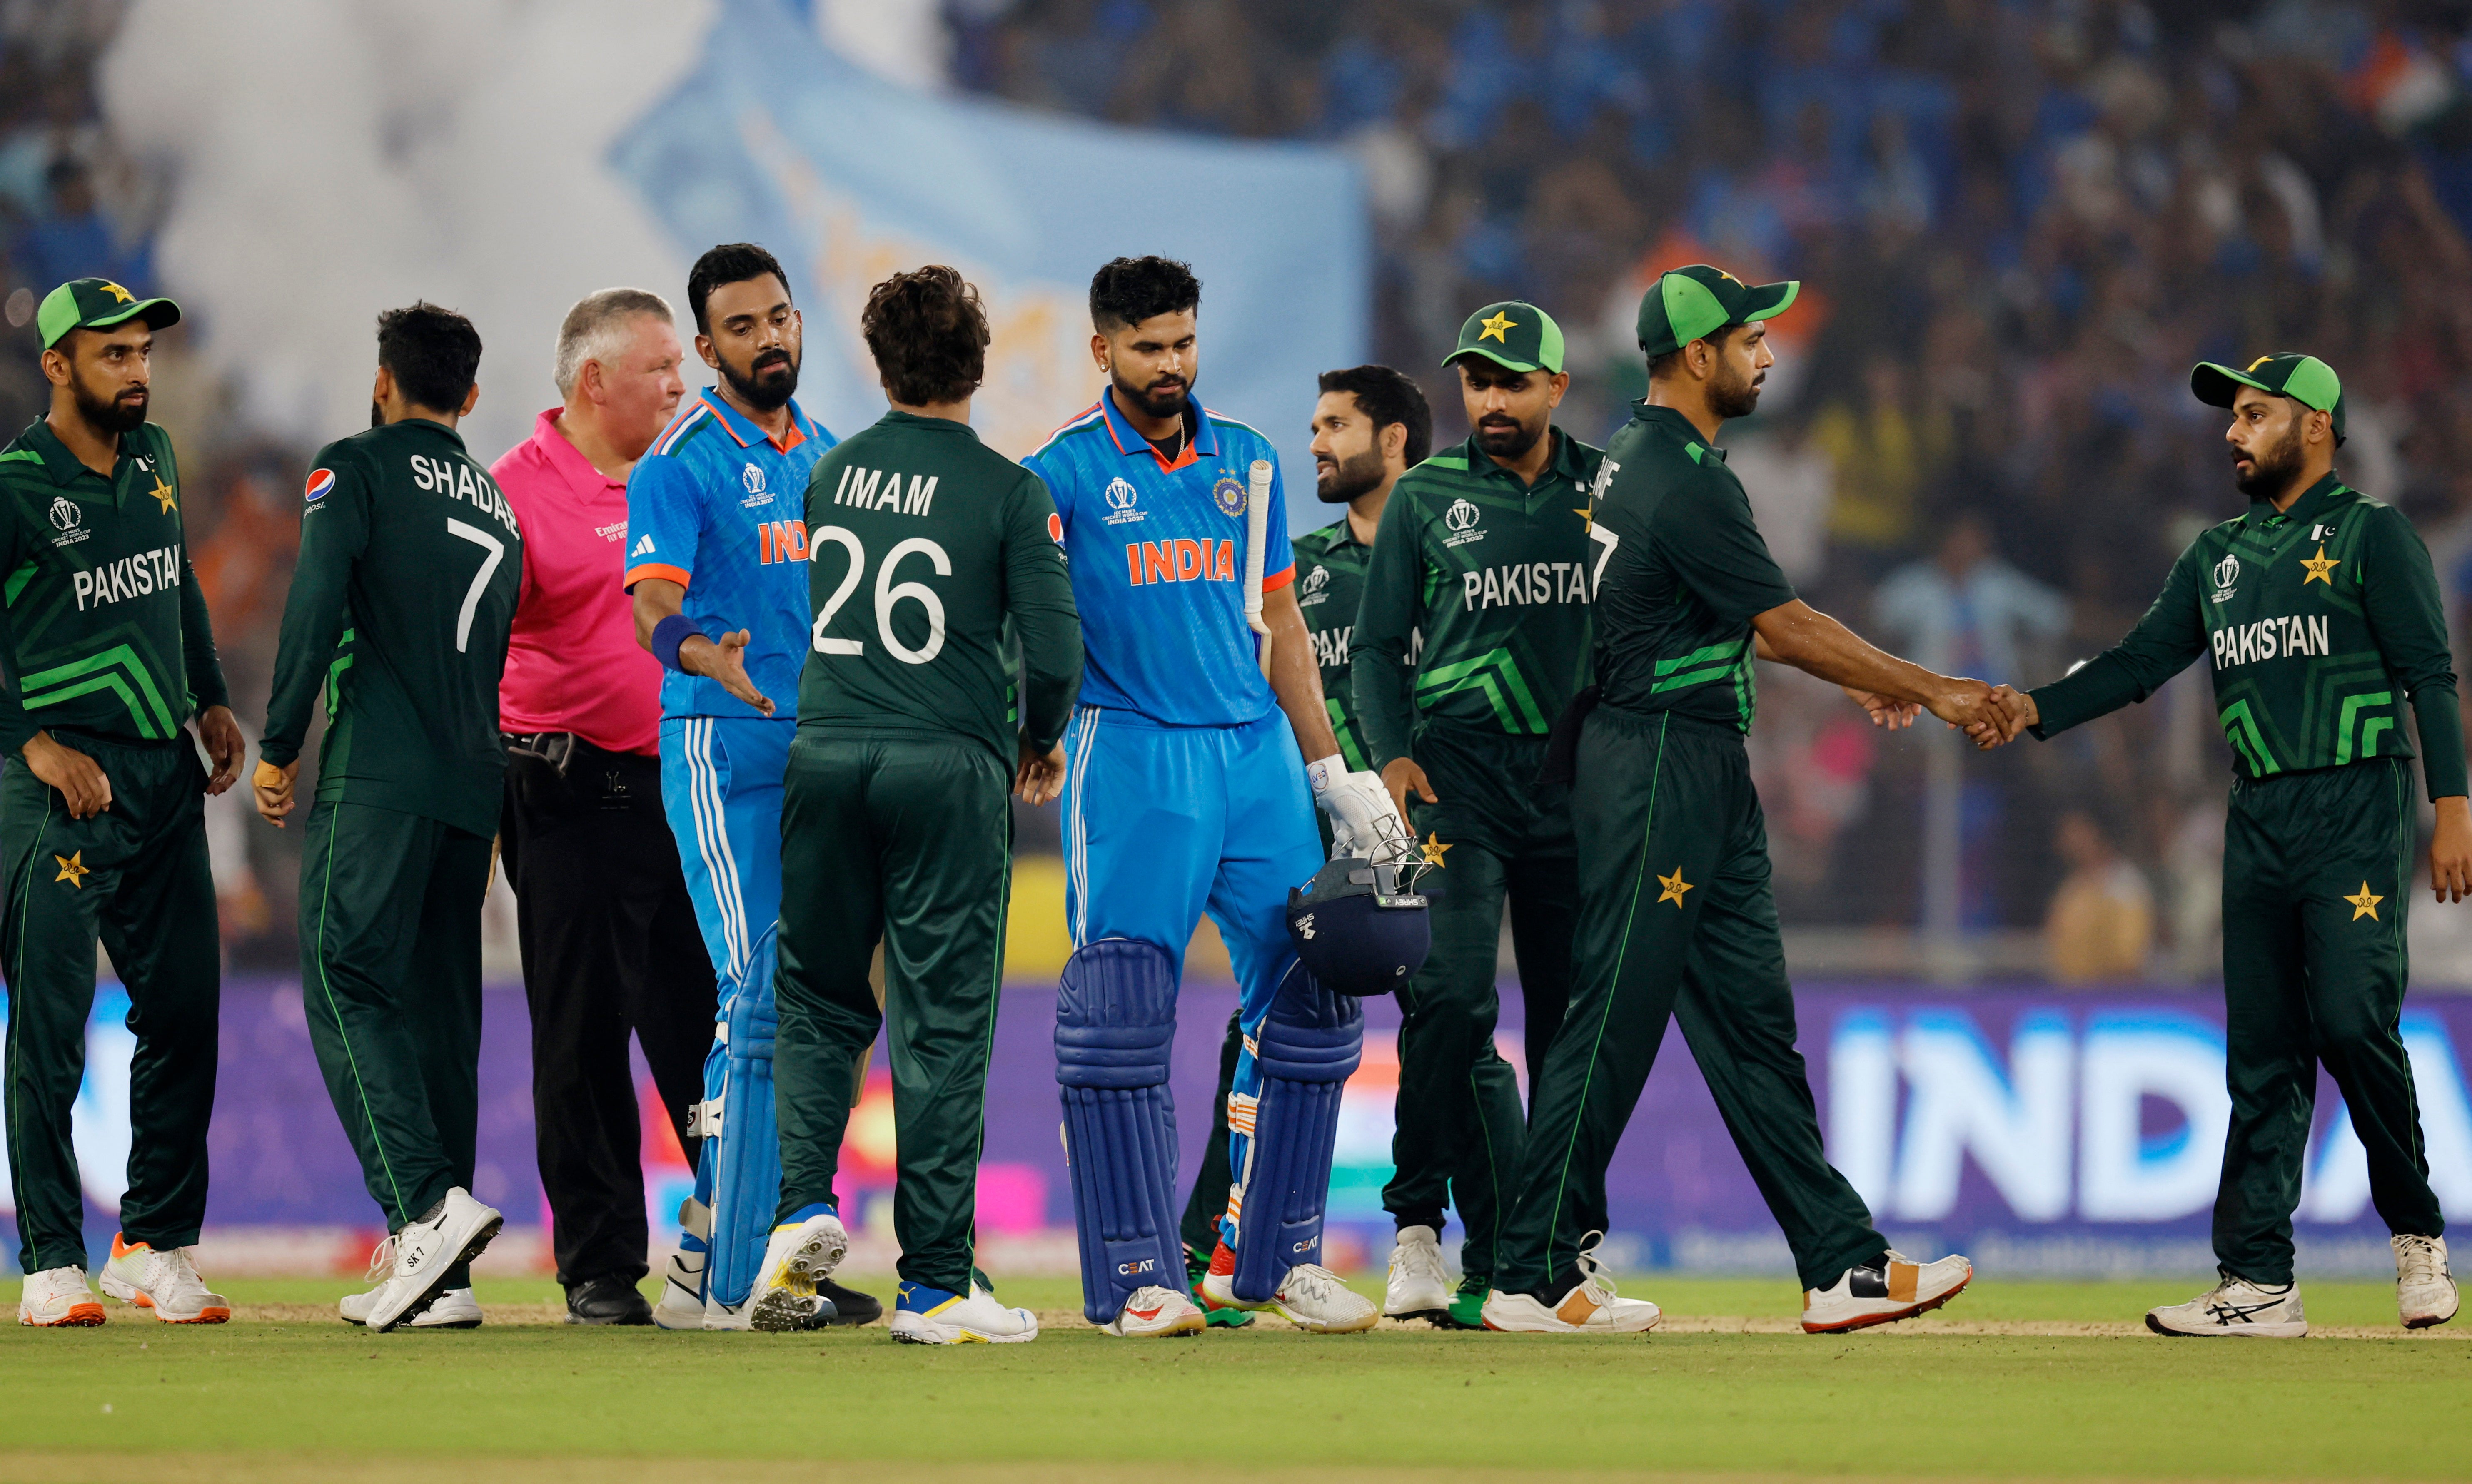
(161, 1279)
(1592, 1306)
(58, 1297)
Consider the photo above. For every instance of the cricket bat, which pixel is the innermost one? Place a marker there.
(1258, 534)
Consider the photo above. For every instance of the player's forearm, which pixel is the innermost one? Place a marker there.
(655, 598)
(2441, 741)
(1799, 635)
(1051, 670)
(1385, 705)
(312, 622)
(1296, 680)
(203, 671)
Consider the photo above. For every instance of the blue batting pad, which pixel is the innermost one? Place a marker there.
(747, 1165)
(1116, 1024)
(1308, 1045)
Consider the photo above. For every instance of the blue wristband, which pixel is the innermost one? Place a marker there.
(670, 633)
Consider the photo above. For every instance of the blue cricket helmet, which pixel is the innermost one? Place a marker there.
(1359, 929)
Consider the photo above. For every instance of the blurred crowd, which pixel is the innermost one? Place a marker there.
(2018, 223)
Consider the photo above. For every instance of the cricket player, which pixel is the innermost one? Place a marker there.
(1484, 555)
(716, 559)
(411, 566)
(1371, 425)
(104, 653)
(1675, 914)
(1186, 793)
(895, 825)
(2321, 614)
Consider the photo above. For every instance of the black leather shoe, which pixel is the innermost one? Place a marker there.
(607, 1301)
(854, 1307)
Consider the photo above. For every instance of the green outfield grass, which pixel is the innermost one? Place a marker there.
(293, 1394)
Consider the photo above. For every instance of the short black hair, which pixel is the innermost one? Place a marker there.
(1388, 396)
(1124, 292)
(1665, 363)
(928, 333)
(732, 262)
(434, 353)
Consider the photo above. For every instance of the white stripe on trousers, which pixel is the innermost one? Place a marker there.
(1077, 867)
(712, 839)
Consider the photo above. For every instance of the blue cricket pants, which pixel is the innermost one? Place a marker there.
(721, 787)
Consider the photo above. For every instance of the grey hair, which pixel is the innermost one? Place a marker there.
(592, 329)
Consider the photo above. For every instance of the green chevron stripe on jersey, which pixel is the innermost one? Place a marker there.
(118, 670)
(1494, 675)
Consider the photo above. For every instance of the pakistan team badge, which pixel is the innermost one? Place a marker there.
(1228, 495)
(74, 870)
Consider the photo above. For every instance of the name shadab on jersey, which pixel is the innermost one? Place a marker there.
(1156, 548)
(719, 507)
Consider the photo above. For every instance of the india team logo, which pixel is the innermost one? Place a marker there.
(1228, 495)
(321, 481)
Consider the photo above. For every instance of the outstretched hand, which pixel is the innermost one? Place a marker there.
(1988, 715)
(1895, 715)
(724, 659)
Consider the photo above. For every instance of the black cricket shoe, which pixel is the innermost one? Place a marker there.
(849, 1308)
(610, 1300)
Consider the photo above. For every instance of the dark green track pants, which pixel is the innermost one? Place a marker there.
(1458, 1129)
(2317, 868)
(391, 979)
(1676, 920)
(136, 875)
(908, 838)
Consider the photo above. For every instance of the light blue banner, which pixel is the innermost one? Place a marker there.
(772, 138)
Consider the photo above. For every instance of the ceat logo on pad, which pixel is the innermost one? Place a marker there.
(321, 481)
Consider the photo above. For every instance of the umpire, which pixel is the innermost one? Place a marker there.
(2321, 613)
(895, 825)
(607, 932)
(1481, 567)
(1675, 915)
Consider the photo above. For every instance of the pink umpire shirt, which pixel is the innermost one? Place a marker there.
(572, 664)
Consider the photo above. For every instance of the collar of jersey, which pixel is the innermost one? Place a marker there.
(747, 432)
(1674, 422)
(64, 466)
(1203, 441)
(2313, 501)
(566, 460)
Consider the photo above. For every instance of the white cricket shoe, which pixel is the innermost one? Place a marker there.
(2235, 1306)
(1152, 1311)
(1593, 1307)
(1310, 1296)
(58, 1297)
(1418, 1286)
(2424, 1289)
(1898, 1288)
(922, 1315)
(166, 1283)
(455, 1308)
(426, 1251)
(681, 1304)
(798, 1255)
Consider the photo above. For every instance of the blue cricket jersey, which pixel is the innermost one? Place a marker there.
(1157, 554)
(718, 507)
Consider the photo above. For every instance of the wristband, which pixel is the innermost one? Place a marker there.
(670, 633)
(1326, 771)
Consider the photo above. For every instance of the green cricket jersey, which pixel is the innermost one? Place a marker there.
(933, 559)
(411, 563)
(1493, 574)
(1330, 587)
(1680, 570)
(2323, 621)
(106, 632)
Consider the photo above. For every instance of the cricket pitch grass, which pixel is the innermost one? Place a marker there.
(2043, 1380)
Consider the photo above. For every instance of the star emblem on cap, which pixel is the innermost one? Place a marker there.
(2365, 905)
(2320, 567)
(162, 494)
(1491, 329)
(119, 293)
(1433, 848)
(1674, 887)
(73, 869)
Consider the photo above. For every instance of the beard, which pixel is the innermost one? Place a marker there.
(110, 414)
(768, 384)
(1508, 439)
(1155, 400)
(1343, 480)
(1729, 397)
(2271, 471)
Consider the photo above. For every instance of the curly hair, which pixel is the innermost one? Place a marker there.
(928, 333)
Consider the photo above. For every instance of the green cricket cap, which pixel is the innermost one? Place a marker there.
(1514, 335)
(1691, 303)
(98, 304)
(2304, 379)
